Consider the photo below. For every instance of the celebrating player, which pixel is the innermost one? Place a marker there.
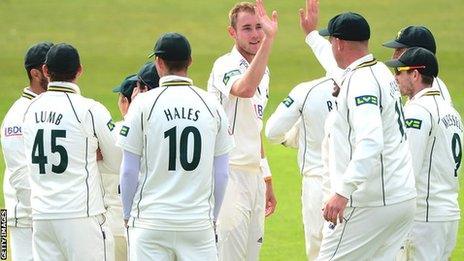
(240, 80)
(16, 186)
(371, 174)
(62, 131)
(418, 36)
(177, 136)
(435, 132)
(308, 103)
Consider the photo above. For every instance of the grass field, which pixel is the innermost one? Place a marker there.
(115, 36)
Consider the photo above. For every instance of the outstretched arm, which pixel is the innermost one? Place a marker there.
(246, 86)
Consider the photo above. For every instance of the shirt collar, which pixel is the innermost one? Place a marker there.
(243, 62)
(64, 87)
(429, 91)
(28, 94)
(364, 61)
(174, 80)
(361, 62)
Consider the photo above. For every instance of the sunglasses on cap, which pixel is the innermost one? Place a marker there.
(398, 70)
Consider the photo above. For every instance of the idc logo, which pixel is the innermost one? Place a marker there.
(13, 131)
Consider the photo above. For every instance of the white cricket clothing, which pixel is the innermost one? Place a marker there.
(308, 104)
(312, 197)
(73, 239)
(16, 188)
(435, 134)
(177, 129)
(310, 101)
(430, 241)
(323, 51)
(20, 243)
(372, 166)
(172, 245)
(245, 114)
(240, 225)
(368, 233)
(111, 191)
(62, 131)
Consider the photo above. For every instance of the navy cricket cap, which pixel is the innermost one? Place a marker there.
(413, 36)
(148, 75)
(62, 58)
(35, 56)
(172, 47)
(127, 86)
(417, 58)
(348, 26)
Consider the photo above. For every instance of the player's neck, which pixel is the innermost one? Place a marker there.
(36, 88)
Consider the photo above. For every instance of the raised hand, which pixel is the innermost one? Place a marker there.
(310, 16)
(269, 25)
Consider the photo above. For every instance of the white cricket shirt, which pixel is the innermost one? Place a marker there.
(16, 189)
(310, 102)
(435, 135)
(177, 129)
(245, 114)
(369, 159)
(62, 131)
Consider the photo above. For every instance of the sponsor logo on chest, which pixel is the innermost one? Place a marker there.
(13, 131)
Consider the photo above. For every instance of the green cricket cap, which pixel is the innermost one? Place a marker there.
(127, 86)
(172, 47)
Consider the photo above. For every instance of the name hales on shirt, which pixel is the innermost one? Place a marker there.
(181, 113)
(48, 117)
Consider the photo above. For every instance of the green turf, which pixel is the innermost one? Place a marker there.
(114, 38)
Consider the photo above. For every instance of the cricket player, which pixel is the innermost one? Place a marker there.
(177, 137)
(240, 81)
(418, 36)
(370, 165)
(62, 132)
(147, 79)
(16, 188)
(110, 179)
(435, 133)
(308, 104)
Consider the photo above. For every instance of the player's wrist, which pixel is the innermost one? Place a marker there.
(265, 169)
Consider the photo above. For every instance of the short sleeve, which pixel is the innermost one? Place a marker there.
(223, 77)
(224, 140)
(418, 128)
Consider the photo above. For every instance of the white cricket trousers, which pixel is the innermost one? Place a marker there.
(368, 233)
(73, 239)
(161, 245)
(430, 241)
(116, 224)
(313, 221)
(21, 243)
(241, 219)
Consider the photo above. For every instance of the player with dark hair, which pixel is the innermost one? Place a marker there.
(16, 188)
(176, 136)
(62, 132)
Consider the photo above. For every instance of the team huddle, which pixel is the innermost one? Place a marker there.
(184, 176)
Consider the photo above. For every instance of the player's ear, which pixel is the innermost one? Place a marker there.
(232, 31)
(45, 71)
(80, 70)
(35, 73)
